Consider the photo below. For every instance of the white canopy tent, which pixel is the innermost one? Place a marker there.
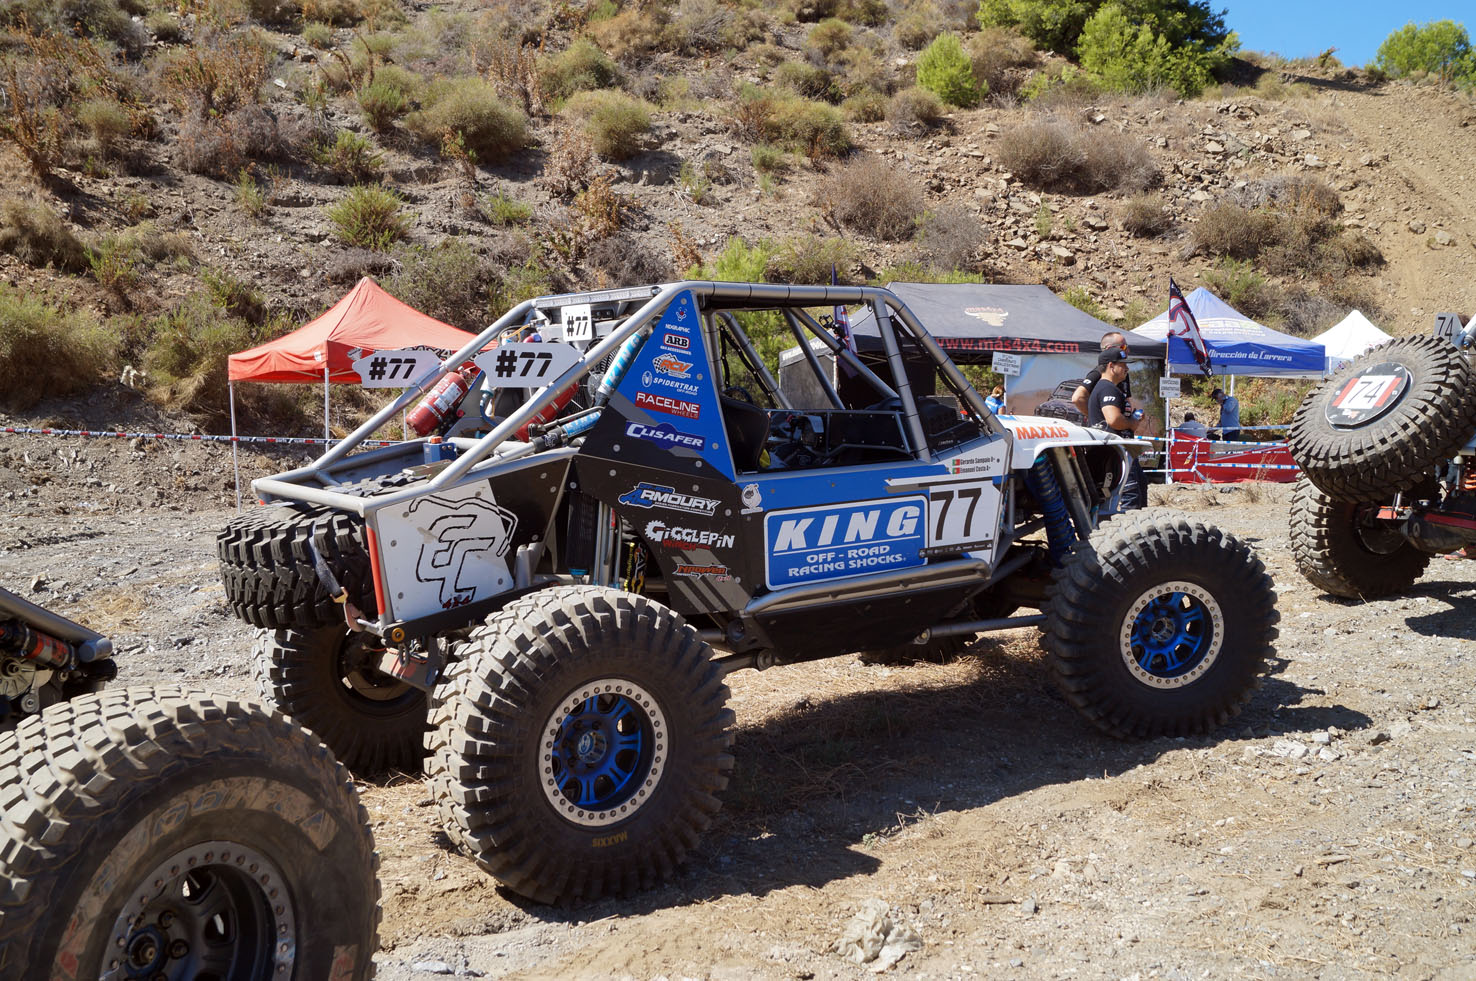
(1353, 335)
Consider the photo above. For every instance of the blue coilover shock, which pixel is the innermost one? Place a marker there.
(1042, 482)
(619, 366)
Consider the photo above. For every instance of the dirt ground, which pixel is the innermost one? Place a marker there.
(1326, 833)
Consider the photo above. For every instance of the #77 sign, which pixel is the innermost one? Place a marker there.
(525, 364)
(396, 368)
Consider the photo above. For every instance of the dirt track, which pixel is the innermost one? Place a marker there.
(1326, 833)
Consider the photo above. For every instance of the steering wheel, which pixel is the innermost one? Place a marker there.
(740, 393)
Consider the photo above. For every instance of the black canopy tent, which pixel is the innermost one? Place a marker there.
(973, 320)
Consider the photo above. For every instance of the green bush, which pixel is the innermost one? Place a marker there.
(614, 122)
(187, 348)
(830, 36)
(448, 281)
(916, 272)
(351, 156)
(113, 262)
(57, 350)
(1125, 54)
(388, 96)
(866, 106)
(1245, 289)
(739, 262)
(249, 195)
(106, 120)
(806, 259)
(804, 79)
(369, 216)
(317, 34)
(1441, 48)
(794, 123)
(37, 236)
(580, 67)
(769, 159)
(500, 209)
(471, 109)
(914, 107)
(947, 72)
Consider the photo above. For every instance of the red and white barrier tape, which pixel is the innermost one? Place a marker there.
(189, 437)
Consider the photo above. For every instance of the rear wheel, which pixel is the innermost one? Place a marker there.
(1341, 548)
(579, 746)
(1380, 425)
(178, 835)
(328, 681)
(1159, 626)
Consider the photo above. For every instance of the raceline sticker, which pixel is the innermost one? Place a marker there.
(660, 533)
(664, 435)
(648, 495)
(843, 540)
(671, 406)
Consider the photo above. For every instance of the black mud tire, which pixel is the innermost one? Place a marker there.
(267, 566)
(372, 722)
(502, 725)
(943, 651)
(118, 806)
(1104, 609)
(1341, 552)
(1398, 450)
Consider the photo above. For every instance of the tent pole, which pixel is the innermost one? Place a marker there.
(325, 402)
(235, 456)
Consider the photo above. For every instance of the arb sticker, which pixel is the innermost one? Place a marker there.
(843, 540)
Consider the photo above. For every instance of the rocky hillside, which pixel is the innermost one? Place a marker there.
(214, 178)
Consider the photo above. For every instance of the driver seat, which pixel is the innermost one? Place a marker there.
(747, 427)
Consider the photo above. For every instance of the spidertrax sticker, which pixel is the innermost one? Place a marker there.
(648, 495)
(843, 540)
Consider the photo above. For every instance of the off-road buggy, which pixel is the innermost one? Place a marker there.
(160, 833)
(568, 591)
(1387, 447)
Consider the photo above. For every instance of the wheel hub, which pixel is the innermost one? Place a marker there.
(604, 750)
(1172, 634)
(216, 909)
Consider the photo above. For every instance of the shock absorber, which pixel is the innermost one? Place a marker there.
(1041, 481)
(45, 651)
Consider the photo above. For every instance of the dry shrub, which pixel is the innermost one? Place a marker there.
(216, 75)
(601, 208)
(513, 67)
(615, 123)
(1229, 230)
(354, 263)
(370, 217)
(36, 235)
(633, 35)
(1295, 194)
(570, 165)
(866, 106)
(871, 196)
(914, 108)
(804, 79)
(1052, 154)
(221, 145)
(619, 260)
(448, 281)
(949, 237)
(57, 350)
(350, 157)
(1145, 216)
(107, 121)
(808, 259)
(1002, 58)
(812, 128)
(580, 67)
(470, 110)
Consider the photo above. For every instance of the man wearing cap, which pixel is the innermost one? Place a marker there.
(1113, 340)
(1107, 408)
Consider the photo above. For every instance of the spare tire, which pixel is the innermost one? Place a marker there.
(1380, 424)
(1342, 549)
(266, 565)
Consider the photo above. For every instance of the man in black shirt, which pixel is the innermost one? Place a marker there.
(1108, 409)
(1111, 341)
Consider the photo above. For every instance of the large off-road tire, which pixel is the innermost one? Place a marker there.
(1159, 625)
(579, 746)
(1340, 550)
(159, 833)
(267, 566)
(323, 680)
(1381, 424)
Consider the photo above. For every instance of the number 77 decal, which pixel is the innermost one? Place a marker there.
(962, 517)
(524, 364)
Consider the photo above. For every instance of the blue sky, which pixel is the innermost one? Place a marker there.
(1296, 28)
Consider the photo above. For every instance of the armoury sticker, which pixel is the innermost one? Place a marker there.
(648, 495)
(664, 435)
(660, 533)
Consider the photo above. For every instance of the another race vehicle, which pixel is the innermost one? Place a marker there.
(564, 579)
(1387, 448)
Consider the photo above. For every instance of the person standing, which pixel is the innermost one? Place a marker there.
(1229, 414)
(1113, 340)
(1108, 409)
(996, 400)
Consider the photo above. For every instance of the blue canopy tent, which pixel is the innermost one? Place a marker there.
(1237, 344)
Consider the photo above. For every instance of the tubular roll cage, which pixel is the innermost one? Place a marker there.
(711, 297)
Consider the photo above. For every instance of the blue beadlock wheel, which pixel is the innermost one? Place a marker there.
(604, 749)
(1172, 634)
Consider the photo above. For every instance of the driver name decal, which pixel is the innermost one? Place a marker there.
(843, 540)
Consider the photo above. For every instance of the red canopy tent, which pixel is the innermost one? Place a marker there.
(366, 320)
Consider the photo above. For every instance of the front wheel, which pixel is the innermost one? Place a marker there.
(175, 835)
(578, 748)
(1158, 625)
(1342, 549)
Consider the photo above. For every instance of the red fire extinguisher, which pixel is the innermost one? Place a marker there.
(548, 412)
(439, 403)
